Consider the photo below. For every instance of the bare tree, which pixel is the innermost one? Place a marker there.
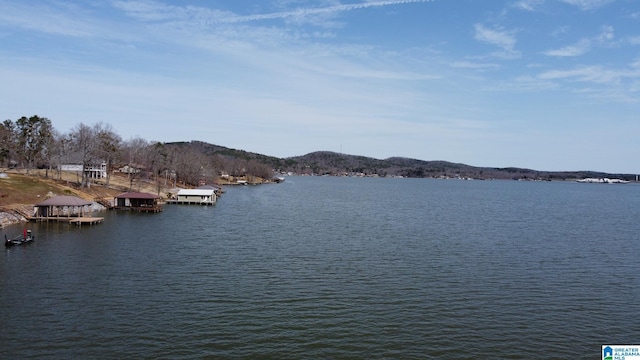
(256, 169)
(191, 166)
(107, 146)
(84, 143)
(158, 162)
(135, 152)
(61, 149)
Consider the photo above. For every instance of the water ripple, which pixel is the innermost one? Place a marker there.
(336, 268)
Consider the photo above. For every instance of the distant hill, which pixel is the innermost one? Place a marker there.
(325, 162)
(332, 163)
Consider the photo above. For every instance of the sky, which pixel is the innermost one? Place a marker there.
(551, 85)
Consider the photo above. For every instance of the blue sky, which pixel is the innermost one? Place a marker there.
(541, 84)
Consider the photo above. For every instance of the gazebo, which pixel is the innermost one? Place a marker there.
(62, 206)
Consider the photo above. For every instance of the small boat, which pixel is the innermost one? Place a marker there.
(26, 238)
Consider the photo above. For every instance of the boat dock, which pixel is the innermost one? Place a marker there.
(86, 220)
(190, 202)
(79, 220)
(82, 220)
(146, 209)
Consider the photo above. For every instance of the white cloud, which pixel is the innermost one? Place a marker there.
(588, 4)
(63, 20)
(573, 50)
(588, 73)
(495, 37)
(153, 11)
(593, 74)
(605, 38)
(500, 38)
(474, 65)
(606, 35)
(528, 5)
(147, 10)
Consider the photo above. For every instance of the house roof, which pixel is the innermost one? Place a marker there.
(64, 200)
(196, 192)
(136, 195)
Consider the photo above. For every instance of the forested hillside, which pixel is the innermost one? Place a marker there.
(33, 142)
(336, 164)
(331, 163)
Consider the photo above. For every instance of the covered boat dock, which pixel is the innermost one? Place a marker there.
(137, 201)
(200, 196)
(71, 209)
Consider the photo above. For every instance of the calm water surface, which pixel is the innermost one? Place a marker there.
(320, 267)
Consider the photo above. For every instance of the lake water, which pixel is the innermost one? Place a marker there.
(323, 267)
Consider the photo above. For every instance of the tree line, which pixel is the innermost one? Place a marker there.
(33, 142)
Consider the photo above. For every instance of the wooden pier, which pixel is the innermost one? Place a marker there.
(86, 220)
(146, 209)
(71, 220)
(191, 202)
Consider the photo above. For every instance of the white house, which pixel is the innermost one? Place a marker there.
(93, 172)
(195, 196)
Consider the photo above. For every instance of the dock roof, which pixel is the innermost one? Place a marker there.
(64, 200)
(136, 195)
(196, 192)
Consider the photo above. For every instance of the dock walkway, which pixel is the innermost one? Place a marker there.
(71, 220)
(191, 202)
(86, 220)
(147, 209)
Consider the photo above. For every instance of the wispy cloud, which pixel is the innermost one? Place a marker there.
(528, 5)
(304, 12)
(606, 38)
(594, 74)
(153, 11)
(572, 50)
(474, 65)
(588, 4)
(64, 19)
(495, 37)
(500, 38)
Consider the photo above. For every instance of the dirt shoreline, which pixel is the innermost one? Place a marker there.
(20, 191)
